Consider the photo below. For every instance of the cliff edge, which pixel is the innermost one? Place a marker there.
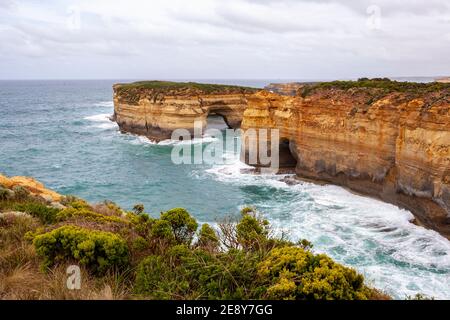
(155, 108)
(381, 138)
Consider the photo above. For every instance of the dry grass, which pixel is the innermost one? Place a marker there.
(27, 282)
(21, 277)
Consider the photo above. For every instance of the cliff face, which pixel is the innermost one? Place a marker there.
(390, 144)
(284, 89)
(385, 139)
(155, 109)
(34, 187)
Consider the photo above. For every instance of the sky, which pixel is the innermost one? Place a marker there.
(218, 39)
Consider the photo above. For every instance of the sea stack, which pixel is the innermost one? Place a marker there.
(155, 108)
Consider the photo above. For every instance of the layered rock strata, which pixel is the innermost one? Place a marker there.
(386, 140)
(155, 109)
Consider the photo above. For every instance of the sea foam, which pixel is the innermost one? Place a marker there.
(376, 238)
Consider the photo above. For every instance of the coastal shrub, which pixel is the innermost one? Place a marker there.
(251, 231)
(295, 273)
(88, 215)
(75, 202)
(199, 274)
(142, 223)
(97, 250)
(207, 237)
(329, 280)
(107, 208)
(20, 193)
(46, 215)
(153, 280)
(305, 244)
(138, 208)
(182, 224)
(4, 193)
(162, 229)
(140, 244)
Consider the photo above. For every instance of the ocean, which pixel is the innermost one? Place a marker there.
(59, 133)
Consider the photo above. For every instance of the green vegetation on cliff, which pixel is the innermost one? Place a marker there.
(131, 255)
(381, 85)
(180, 86)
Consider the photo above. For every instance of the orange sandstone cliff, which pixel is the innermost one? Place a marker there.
(383, 139)
(155, 108)
(33, 186)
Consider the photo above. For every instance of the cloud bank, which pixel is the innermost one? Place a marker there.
(252, 39)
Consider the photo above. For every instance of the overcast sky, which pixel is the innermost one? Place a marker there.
(245, 39)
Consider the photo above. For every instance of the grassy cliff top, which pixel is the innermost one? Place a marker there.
(183, 86)
(384, 85)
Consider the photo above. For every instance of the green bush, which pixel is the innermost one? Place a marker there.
(4, 193)
(75, 202)
(182, 224)
(198, 274)
(140, 244)
(251, 231)
(294, 273)
(45, 214)
(162, 229)
(88, 215)
(142, 223)
(21, 193)
(138, 208)
(97, 250)
(207, 237)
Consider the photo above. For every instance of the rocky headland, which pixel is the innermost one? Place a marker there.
(443, 80)
(155, 108)
(381, 138)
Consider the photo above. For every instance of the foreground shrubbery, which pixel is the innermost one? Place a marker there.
(97, 250)
(133, 255)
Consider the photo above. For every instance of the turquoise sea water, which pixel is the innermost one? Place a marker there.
(59, 132)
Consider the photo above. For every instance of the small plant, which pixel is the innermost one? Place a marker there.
(181, 223)
(46, 215)
(88, 215)
(75, 202)
(207, 237)
(162, 229)
(21, 193)
(252, 231)
(138, 208)
(305, 244)
(5, 194)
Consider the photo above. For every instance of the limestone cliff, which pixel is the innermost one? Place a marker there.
(156, 108)
(33, 186)
(383, 139)
(285, 89)
(443, 80)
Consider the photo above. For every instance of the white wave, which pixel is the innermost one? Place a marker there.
(205, 139)
(102, 121)
(99, 117)
(169, 142)
(143, 140)
(104, 104)
(376, 238)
